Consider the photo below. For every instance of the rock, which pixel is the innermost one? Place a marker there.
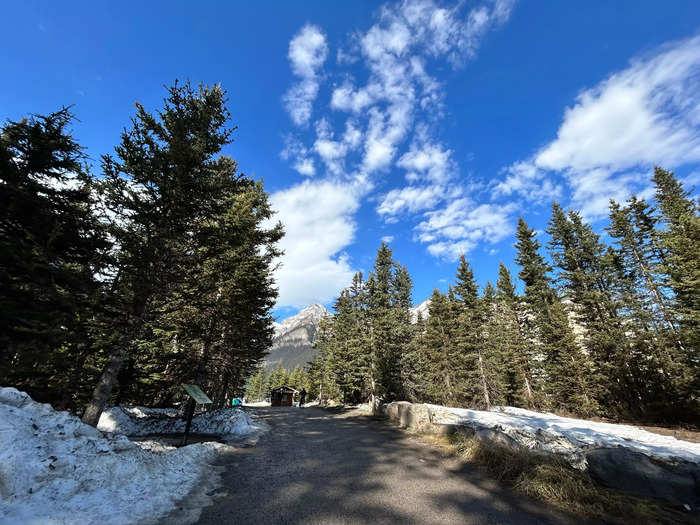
(494, 437)
(633, 472)
(409, 415)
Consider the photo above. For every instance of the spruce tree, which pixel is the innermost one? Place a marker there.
(681, 242)
(176, 207)
(468, 361)
(517, 349)
(440, 353)
(585, 278)
(567, 371)
(388, 293)
(52, 247)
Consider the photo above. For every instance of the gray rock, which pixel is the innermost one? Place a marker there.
(409, 415)
(635, 473)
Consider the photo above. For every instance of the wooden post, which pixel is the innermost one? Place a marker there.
(189, 413)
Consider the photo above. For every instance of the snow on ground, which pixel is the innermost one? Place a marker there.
(55, 470)
(257, 404)
(545, 430)
(229, 423)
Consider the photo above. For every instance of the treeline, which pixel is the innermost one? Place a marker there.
(121, 287)
(261, 382)
(599, 329)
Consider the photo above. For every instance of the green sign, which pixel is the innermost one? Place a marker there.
(196, 393)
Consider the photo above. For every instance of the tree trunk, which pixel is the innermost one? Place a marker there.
(103, 390)
(484, 385)
(221, 398)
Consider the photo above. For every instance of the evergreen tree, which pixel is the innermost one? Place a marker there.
(469, 317)
(257, 389)
(388, 290)
(516, 348)
(585, 279)
(347, 349)
(51, 248)
(441, 355)
(681, 242)
(175, 205)
(278, 377)
(415, 364)
(567, 371)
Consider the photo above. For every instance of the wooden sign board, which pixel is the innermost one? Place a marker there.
(196, 393)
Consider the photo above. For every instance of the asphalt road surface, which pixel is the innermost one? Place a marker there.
(320, 466)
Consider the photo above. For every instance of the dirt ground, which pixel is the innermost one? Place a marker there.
(342, 466)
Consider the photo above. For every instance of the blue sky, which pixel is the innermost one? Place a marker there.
(430, 124)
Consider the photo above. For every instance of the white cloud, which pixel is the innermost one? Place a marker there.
(648, 113)
(459, 226)
(307, 53)
(331, 151)
(527, 179)
(398, 95)
(319, 225)
(411, 199)
(388, 239)
(295, 151)
(427, 161)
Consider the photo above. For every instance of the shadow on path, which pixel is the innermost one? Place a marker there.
(321, 466)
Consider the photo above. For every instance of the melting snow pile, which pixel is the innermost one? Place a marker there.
(56, 470)
(228, 423)
(567, 436)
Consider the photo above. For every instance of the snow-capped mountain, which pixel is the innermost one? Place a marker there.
(422, 308)
(294, 338)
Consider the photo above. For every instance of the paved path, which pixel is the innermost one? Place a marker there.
(318, 466)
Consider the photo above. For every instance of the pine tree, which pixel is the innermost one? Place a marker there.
(279, 376)
(415, 364)
(681, 243)
(585, 279)
(176, 208)
(51, 248)
(257, 388)
(517, 349)
(388, 293)
(440, 353)
(469, 338)
(566, 373)
(347, 348)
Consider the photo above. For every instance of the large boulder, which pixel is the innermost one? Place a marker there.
(633, 472)
(409, 415)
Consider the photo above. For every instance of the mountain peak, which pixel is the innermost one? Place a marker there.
(310, 315)
(422, 308)
(294, 337)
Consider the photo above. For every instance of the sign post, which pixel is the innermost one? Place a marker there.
(196, 396)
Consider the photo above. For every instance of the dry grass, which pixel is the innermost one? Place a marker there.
(553, 481)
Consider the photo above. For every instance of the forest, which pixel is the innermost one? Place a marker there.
(598, 329)
(119, 287)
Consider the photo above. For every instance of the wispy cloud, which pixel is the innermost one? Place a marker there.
(308, 51)
(458, 227)
(646, 114)
(397, 101)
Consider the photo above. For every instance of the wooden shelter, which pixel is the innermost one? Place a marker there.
(282, 396)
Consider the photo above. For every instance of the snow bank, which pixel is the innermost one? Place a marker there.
(56, 470)
(229, 423)
(561, 434)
